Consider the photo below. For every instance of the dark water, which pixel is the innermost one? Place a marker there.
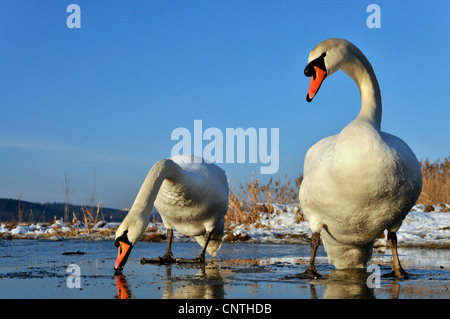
(39, 269)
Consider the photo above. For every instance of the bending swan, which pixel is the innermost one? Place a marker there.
(361, 181)
(190, 195)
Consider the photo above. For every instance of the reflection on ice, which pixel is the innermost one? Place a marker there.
(206, 284)
(240, 271)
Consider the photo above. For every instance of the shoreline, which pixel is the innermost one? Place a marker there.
(420, 229)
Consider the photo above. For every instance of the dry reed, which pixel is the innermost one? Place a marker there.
(247, 203)
(435, 189)
(250, 203)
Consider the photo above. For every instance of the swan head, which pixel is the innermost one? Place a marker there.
(127, 235)
(124, 245)
(325, 59)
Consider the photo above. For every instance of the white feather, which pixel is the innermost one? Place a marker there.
(190, 197)
(361, 181)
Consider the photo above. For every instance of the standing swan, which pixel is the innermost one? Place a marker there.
(361, 181)
(190, 195)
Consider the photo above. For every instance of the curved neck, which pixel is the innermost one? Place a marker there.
(362, 73)
(143, 204)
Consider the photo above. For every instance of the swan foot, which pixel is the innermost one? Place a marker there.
(201, 258)
(169, 259)
(310, 273)
(197, 260)
(397, 273)
(166, 259)
(397, 270)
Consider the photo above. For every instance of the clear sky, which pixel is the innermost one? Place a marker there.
(106, 97)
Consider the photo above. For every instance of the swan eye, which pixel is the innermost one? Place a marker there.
(123, 238)
(309, 70)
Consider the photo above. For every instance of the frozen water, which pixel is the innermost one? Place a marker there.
(38, 269)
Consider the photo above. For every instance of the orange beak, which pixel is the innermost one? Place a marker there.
(316, 82)
(122, 255)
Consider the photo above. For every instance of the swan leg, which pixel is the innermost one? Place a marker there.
(168, 257)
(202, 253)
(201, 257)
(168, 254)
(397, 270)
(311, 272)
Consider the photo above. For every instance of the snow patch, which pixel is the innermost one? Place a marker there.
(282, 226)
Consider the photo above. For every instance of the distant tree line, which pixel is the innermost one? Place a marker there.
(16, 210)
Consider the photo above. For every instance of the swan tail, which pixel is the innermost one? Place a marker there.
(213, 245)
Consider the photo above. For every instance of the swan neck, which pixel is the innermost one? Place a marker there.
(362, 73)
(145, 199)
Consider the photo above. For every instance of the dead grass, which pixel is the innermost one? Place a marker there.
(247, 202)
(435, 189)
(230, 237)
(154, 237)
(89, 217)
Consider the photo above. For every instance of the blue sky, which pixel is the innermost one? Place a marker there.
(105, 98)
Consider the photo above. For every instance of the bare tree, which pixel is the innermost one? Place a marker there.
(20, 209)
(68, 192)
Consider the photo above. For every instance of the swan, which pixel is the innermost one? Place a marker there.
(190, 194)
(360, 182)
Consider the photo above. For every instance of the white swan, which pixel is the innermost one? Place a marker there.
(361, 181)
(190, 194)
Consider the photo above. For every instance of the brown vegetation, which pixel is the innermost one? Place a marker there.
(435, 189)
(249, 204)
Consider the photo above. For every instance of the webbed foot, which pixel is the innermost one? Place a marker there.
(166, 259)
(310, 273)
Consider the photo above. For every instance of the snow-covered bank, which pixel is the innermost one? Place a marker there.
(428, 229)
(431, 229)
